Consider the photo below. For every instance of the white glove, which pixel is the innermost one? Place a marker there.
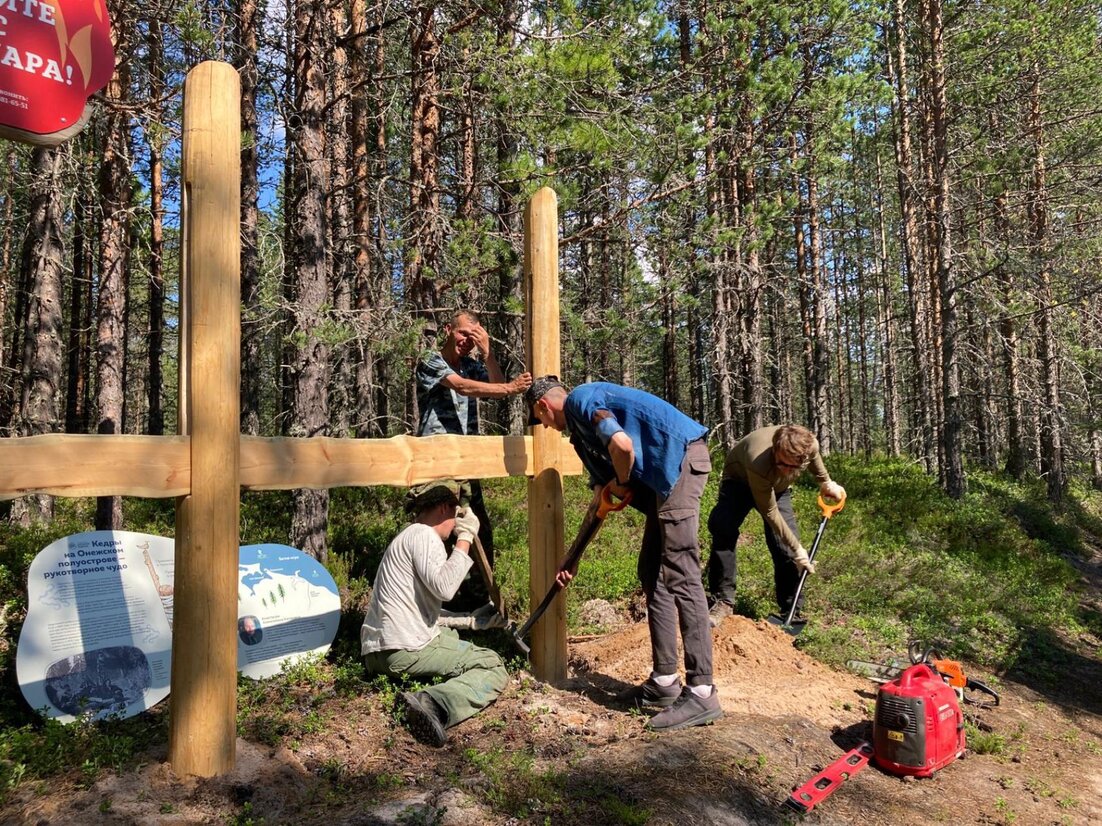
(466, 525)
(832, 491)
(803, 563)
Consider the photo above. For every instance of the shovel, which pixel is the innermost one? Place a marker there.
(789, 624)
(594, 518)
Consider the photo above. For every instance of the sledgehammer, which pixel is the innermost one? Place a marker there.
(594, 518)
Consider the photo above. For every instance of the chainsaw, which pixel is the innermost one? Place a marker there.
(951, 671)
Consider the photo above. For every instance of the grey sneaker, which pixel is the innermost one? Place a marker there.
(689, 710)
(650, 694)
(424, 718)
(719, 612)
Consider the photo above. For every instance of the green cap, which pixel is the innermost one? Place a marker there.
(427, 494)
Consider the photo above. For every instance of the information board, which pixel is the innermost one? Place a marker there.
(97, 639)
(287, 606)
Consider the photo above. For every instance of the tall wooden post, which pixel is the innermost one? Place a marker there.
(545, 495)
(203, 702)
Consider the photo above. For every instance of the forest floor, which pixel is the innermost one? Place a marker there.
(570, 755)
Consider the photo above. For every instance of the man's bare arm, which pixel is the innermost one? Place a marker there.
(487, 390)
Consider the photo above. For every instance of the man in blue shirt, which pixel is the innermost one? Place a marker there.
(449, 384)
(644, 445)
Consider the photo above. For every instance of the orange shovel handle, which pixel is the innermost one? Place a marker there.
(830, 508)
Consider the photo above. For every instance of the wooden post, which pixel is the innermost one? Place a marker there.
(545, 495)
(203, 702)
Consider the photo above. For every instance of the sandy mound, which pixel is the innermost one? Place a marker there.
(747, 657)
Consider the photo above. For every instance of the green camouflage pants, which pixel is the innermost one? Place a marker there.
(476, 675)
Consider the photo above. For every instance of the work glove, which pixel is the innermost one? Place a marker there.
(832, 491)
(466, 525)
(803, 563)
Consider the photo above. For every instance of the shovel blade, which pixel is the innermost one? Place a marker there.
(793, 629)
(514, 634)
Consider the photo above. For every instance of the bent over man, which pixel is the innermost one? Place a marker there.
(400, 634)
(648, 447)
(757, 474)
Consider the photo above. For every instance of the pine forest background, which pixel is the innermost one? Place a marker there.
(880, 218)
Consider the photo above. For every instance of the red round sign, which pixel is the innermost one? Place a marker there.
(54, 55)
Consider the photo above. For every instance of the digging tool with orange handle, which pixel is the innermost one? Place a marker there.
(786, 623)
(601, 507)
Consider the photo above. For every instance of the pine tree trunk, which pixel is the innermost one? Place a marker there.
(507, 222)
(952, 439)
(722, 311)
(156, 420)
(77, 344)
(751, 346)
(1052, 450)
(819, 401)
(423, 263)
(10, 391)
(986, 432)
(886, 321)
(698, 387)
(468, 153)
(671, 385)
(248, 23)
(1096, 457)
(309, 369)
(930, 281)
(341, 249)
(842, 409)
(908, 229)
(114, 263)
(1091, 325)
(368, 146)
(43, 345)
(864, 388)
(7, 230)
(1008, 335)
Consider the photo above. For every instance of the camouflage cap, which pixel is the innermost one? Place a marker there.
(427, 494)
(536, 391)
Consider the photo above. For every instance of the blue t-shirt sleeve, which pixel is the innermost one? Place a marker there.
(430, 370)
(607, 428)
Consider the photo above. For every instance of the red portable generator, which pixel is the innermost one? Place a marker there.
(918, 727)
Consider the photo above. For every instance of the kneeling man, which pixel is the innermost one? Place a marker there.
(400, 634)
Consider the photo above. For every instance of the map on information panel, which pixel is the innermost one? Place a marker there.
(287, 606)
(97, 640)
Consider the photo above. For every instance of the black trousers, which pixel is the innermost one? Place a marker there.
(733, 506)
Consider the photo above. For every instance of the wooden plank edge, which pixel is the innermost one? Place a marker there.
(159, 467)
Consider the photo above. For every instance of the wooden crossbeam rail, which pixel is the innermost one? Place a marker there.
(158, 467)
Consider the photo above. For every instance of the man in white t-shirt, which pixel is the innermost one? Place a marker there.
(449, 384)
(401, 634)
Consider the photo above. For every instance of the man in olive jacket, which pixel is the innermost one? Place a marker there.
(757, 474)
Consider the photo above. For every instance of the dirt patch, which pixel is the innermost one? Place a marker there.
(747, 656)
(570, 755)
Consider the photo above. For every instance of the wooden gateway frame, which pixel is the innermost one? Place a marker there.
(207, 465)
